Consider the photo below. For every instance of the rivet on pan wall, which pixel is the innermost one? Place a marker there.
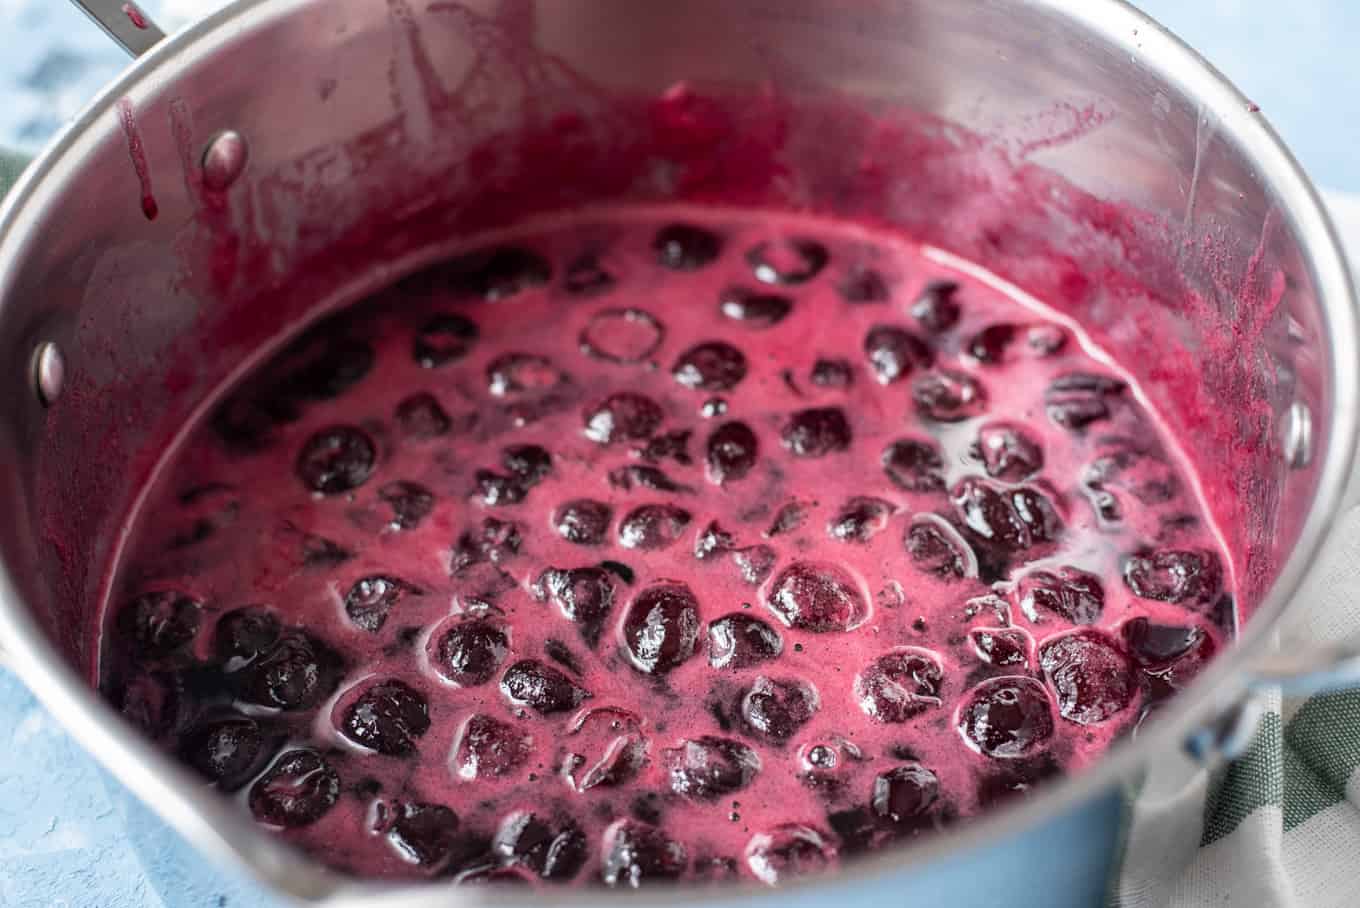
(49, 373)
(1298, 435)
(223, 160)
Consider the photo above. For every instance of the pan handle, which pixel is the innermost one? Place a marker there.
(124, 22)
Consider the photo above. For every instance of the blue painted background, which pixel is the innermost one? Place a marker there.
(70, 837)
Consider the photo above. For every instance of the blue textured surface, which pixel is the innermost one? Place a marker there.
(71, 836)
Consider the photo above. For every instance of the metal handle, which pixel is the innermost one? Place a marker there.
(1306, 670)
(124, 22)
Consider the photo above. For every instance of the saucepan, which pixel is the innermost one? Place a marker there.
(284, 155)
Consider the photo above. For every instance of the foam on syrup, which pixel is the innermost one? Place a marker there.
(934, 541)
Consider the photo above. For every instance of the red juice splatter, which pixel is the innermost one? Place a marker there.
(135, 16)
(137, 152)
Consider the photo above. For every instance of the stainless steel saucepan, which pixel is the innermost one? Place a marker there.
(285, 153)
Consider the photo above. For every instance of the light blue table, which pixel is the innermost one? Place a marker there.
(70, 836)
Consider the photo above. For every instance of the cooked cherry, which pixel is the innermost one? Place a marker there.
(989, 345)
(900, 684)
(684, 247)
(673, 445)
(709, 767)
(739, 640)
(388, 717)
(371, 599)
(541, 688)
(904, 792)
(636, 854)
(494, 541)
(816, 432)
(860, 519)
(1090, 673)
(714, 540)
(754, 562)
(863, 285)
(836, 374)
(622, 335)
(644, 477)
(296, 673)
(159, 624)
(935, 309)
(775, 708)
(423, 834)
(605, 747)
(586, 277)
(487, 748)
(554, 851)
(224, 750)
(817, 596)
(710, 366)
(521, 373)
(443, 339)
(913, 465)
(624, 416)
(1066, 592)
(1005, 646)
(583, 595)
(583, 521)
(787, 261)
(653, 526)
(1007, 717)
(336, 460)
(296, 791)
(243, 634)
(947, 395)
(732, 452)
(787, 852)
(937, 548)
(754, 310)
(471, 652)
(788, 518)
(1009, 452)
(894, 353)
(1184, 576)
(661, 628)
(420, 416)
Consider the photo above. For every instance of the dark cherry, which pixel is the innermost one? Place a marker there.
(709, 767)
(530, 464)
(371, 599)
(947, 395)
(860, 519)
(553, 851)
(1183, 576)
(754, 563)
(988, 515)
(421, 417)
(788, 518)
(388, 717)
(583, 521)
(296, 673)
(990, 344)
(894, 353)
(158, 703)
(673, 445)
(1069, 593)
(487, 748)
(159, 624)
(497, 274)
(863, 285)
(296, 791)
(410, 502)
(1170, 656)
(336, 460)
(1004, 646)
(653, 526)
(542, 688)
(754, 310)
(1076, 400)
(323, 364)
(836, 374)
(586, 277)
(471, 652)
(497, 489)
(789, 851)
(731, 452)
(661, 628)
(605, 747)
(713, 540)
(624, 416)
(637, 854)
(935, 309)
(739, 640)
(914, 465)
(796, 260)
(900, 684)
(685, 247)
(816, 432)
(775, 708)
(1007, 717)
(225, 750)
(494, 541)
(817, 596)
(1009, 452)
(904, 792)
(710, 366)
(443, 339)
(584, 596)
(1091, 675)
(622, 335)
(560, 653)
(935, 547)
(640, 476)
(243, 634)
(522, 373)
(423, 834)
